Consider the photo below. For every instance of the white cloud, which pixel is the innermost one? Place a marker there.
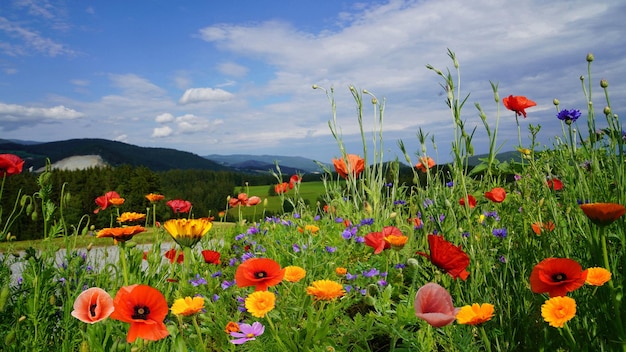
(232, 69)
(188, 124)
(134, 85)
(164, 131)
(197, 95)
(121, 138)
(164, 118)
(29, 39)
(13, 116)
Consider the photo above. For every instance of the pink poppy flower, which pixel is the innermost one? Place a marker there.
(433, 304)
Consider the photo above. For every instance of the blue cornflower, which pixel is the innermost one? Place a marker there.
(252, 231)
(382, 282)
(240, 237)
(450, 184)
(349, 232)
(330, 249)
(500, 233)
(399, 202)
(400, 266)
(370, 273)
(351, 277)
(428, 202)
(568, 116)
(226, 284)
(359, 239)
(217, 273)
(367, 221)
(316, 218)
(296, 216)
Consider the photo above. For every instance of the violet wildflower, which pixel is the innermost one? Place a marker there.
(427, 203)
(465, 234)
(382, 282)
(349, 232)
(338, 220)
(199, 280)
(399, 202)
(316, 218)
(232, 262)
(367, 221)
(568, 116)
(216, 274)
(351, 277)
(330, 249)
(400, 266)
(215, 297)
(247, 256)
(240, 237)
(247, 333)
(500, 233)
(226, 284)
(359, 239)
(296, 216)
(371, 272)
(450, 184)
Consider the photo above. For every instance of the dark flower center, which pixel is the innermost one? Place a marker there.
(260, 274)
(559, 277)
(141, 312)
(92, 309)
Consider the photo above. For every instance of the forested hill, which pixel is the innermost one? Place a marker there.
(112, 152)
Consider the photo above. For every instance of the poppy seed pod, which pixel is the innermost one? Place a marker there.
(604, 83)
(556, 102)
(590, 57)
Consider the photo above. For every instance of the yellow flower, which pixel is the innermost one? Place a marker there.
(475, 314)
(325, 290)
(153, 197)
(259, 303)
(131, 217)
(187, 306)
(187, 232)
(341, 271)
(294, 273)
(558, 310)
(116, 201)
(597, 276)
(396, 242)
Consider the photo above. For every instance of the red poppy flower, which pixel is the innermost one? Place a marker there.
(557, 276)
(447, 257)
(555, 184)
(173, 257)
(497, 194)
(355, 166)
(104, 201)
(519, 104)
(259, 272)
(92, 305)
(293, 180)
(211, 257)
(425, 163)
(144, 308)
(539, 227)
(10, 164)
(281, 188)
(254, 200)
(179, 205)
(471, 201)
(603, 213)
(433, 303)
(377, 240)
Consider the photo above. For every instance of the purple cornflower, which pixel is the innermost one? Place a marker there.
(359, 239)
(368, 221)
(215, 297)
(370, 273)
(199, 280)
(502, 259)
(428, 202)
(465, 234)
(400, 266)
(316, 218)
(349, 232)
(450, 184)
(351, 277)
(226, 284)
(296, 216)
(240, 237)
(500, 233)
(217, 273)
(247, 333)
(399, 202)
(252, 231)
(330, 249)
(232, 261)
(246, 256)
(382, 282)
(339, 220)
(517, 177)
(492, 214)
(568, 116)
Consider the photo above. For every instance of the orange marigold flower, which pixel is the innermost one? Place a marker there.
(117, 201)
(325, 290)
(341, 271)
(354, 167)
(309, 228)
(121, 234)
(475, 314)
(131, 217)
(558, 310)
(597, 276)
(260, 273)
(259, 303)
(188, 306)
(231, 327)
(603, 213)
(425, 163)
(153, 197)
(294, 273)
(397, 242)
(144, 308)
(93, 305)
(519, 104)
(557, 276)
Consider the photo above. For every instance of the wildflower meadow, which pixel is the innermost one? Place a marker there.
(519, 255)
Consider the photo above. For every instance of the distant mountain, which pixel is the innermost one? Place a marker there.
(112, 153)
(264, 163)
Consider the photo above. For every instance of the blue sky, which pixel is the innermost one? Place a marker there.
(235, 77)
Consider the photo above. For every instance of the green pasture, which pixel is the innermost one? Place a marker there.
(309, 192)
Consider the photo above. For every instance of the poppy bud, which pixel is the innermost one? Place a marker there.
(365, 91)
(84, 347)
(555, 101)
(393, 215)
(582, 78)
(374, 101)
(29, 208)
(607, 110)
(590, 57)
(92, 227)
(52, 300)
(315, 86)
(34, 216)
(412, 262)
(541, 202)
(330, 349)
(23, 200)
(4, 296)
(89, 247)
(604, 83)
(21, 319)
(131, 244)
(370, 301)
(9, 339)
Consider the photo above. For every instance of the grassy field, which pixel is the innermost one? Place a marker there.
(308, 191)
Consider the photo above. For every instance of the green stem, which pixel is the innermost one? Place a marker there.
(485, 338)
(122, 253)
(275, 333)
(614, 293)
(198, 332)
